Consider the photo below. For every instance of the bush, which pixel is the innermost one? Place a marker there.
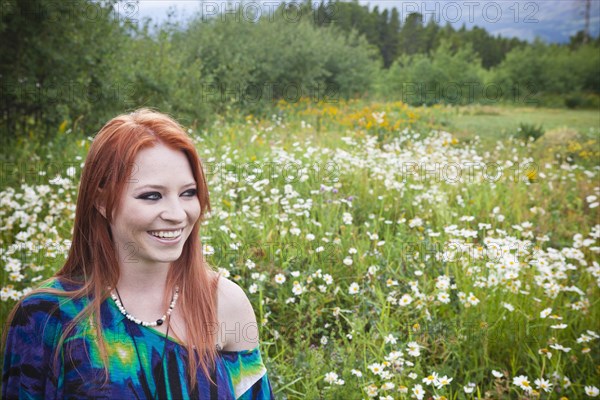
(581, 100)
(529, 132)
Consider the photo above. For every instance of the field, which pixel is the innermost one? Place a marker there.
(390, 252)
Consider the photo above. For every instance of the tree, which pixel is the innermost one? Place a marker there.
(412, 35)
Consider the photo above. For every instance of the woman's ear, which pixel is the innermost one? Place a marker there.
(99, 204)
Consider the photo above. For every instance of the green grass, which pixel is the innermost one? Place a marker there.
(498, 123)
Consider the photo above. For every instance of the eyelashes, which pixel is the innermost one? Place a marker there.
(157, 196)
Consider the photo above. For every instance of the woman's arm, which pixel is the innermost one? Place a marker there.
(29, 370)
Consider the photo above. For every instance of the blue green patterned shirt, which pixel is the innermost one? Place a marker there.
(30, 372)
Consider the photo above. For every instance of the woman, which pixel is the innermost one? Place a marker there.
(135, 297)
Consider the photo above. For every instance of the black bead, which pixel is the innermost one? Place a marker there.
(159, 322)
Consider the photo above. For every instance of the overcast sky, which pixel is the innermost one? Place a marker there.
(551, 20)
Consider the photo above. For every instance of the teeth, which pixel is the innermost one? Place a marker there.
(167, 234)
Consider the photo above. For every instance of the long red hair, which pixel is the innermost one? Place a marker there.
(92, 259)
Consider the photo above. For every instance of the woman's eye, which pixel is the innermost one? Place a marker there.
(190, 193)
(150, 196)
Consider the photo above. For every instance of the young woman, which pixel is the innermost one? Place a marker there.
(136, 313)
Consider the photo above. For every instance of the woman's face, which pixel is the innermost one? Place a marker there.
(158, 209)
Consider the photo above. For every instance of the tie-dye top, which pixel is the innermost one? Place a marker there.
(31, 373)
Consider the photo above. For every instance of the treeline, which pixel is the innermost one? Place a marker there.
(83, 61)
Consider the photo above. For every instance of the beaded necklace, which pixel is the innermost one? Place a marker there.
(119, 303)
(130, 317)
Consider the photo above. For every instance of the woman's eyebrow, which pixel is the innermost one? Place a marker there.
(161, 187)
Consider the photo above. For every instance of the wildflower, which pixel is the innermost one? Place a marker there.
(592, 391)
(415, 222)
(371, 390)
(472, 299)
(443, 381)
(253, 288)
(443, 297)
(394, 356)
(331, 377)
(324, 340)
(545, 352)
(297, 289)
(376, 368)
(431, 379)
(412, 375)
(250, 264)
(497, 374)
(418, 392)
(356, 373)
(391, 282)
(348, 261)
(310, 237)
(387, 386)
(280, 278)
(390, 339)
(523, 382)
(469, 388)
(543, 384)
(545, 312)
(557, 346)
(354, 288)
(405, 300)
(413, 349)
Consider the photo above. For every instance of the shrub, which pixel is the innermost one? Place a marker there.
(529, 132)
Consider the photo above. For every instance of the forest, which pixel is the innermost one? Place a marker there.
(82, 62)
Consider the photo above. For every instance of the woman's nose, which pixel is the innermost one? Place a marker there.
(174, 211)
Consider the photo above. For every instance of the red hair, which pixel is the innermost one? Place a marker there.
(92, 259)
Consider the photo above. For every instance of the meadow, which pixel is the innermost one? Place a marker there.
(390, 252)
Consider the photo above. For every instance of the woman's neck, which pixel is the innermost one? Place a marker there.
(141, 278)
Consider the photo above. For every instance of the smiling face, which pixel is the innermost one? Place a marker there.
(158, 208)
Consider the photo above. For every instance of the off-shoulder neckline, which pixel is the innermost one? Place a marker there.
(176, 341)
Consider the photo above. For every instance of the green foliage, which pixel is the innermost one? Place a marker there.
(447, 76)
(529, 132)
(540, 69)
(249, 64)
(56, 63)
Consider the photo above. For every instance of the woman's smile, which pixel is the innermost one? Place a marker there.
(167, 236)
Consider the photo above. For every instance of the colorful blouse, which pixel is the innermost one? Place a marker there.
(31, 373)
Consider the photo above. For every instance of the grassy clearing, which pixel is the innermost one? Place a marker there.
(499, 123)
(385, 258)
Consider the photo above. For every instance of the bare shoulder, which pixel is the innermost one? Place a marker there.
(238, 329)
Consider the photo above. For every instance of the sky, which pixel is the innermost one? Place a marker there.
(550, 20)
